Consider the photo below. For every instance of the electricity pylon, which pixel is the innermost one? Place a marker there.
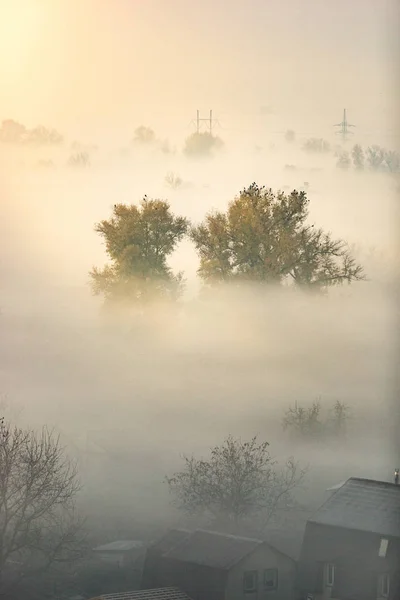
(344, 127)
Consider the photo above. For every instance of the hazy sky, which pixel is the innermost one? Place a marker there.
(73, 63)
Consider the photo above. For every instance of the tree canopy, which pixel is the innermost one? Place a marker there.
(263, 237)
(138, 240)
(240, 479)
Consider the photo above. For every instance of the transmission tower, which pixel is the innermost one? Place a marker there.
(209, 121)
(344, 127)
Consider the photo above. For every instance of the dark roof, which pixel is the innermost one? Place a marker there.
(155, 594)
(169, 540)
(211, 549)
(363, 505)
(288, 542)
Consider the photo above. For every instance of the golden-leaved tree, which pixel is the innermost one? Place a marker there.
(264, 237)
(139, 240)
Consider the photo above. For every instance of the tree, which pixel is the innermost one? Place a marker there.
(43, 136)
(138, 242)
(144, 135)
(239, 480)
(358, 157)
(304, 422)
(38, 486)
(263, 237)
(392, 161)
(317, 146)
(375, 157)
(339, 419)
(343, 161)
(79, 159)
(12, 132)
(172, 180)
(201, 144)
(290, 135)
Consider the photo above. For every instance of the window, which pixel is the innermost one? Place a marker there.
(383, 585)
(250, 581)
(329, 574)
(383, 547)
(271, 579)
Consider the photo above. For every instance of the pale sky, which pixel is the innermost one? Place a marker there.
(73, 63)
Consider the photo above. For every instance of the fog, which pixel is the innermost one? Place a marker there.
(234, 361)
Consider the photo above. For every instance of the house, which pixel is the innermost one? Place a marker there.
(351, 546)
(155, 594)
(123, 553)
(216, 566)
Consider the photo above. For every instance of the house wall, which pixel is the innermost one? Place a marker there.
(356, 559)
(263, 558)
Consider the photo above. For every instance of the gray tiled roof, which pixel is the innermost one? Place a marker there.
(213, 549)
(156, 594)
(364, 505)
(169, 540)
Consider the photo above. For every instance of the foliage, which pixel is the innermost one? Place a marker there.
(344, 161)
(40, 136)
(392, 161)
(173, 181)
(375, 157)
(263, 237)
(144, 135)
(138, 242)
(12, 132)
(201, 144)
(317, 145)
(238, 480)
(290, 135)
(307, 422)
(358, 157)
(79, 160)
(38, 486)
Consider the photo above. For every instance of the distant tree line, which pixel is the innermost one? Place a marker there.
(374, 158)
(310, 423)
(262, 238)
(13, 132)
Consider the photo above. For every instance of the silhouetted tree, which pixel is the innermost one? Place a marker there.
(263, 237)
(375, 157)
(392, 161)
(317, 145)
(79, 160)
(290, 135)
(42, 136)
(238, 480)
(343, 161)
(38, 524)
(201, 144)
(138, 241)
(144, 135)
(12, 132)
(358, 157)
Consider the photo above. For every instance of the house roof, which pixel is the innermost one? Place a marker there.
(288, 542)
(211, 549)
(363, 505)
(170, 593)
(169, 540)
(120, 546)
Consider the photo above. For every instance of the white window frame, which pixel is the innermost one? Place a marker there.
(255, 575)
(276, 579)
(329, 575)
(384, 585)
(383, 547)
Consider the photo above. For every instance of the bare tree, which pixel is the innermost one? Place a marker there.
(239, 480)
(304, 421)
(38, 523)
